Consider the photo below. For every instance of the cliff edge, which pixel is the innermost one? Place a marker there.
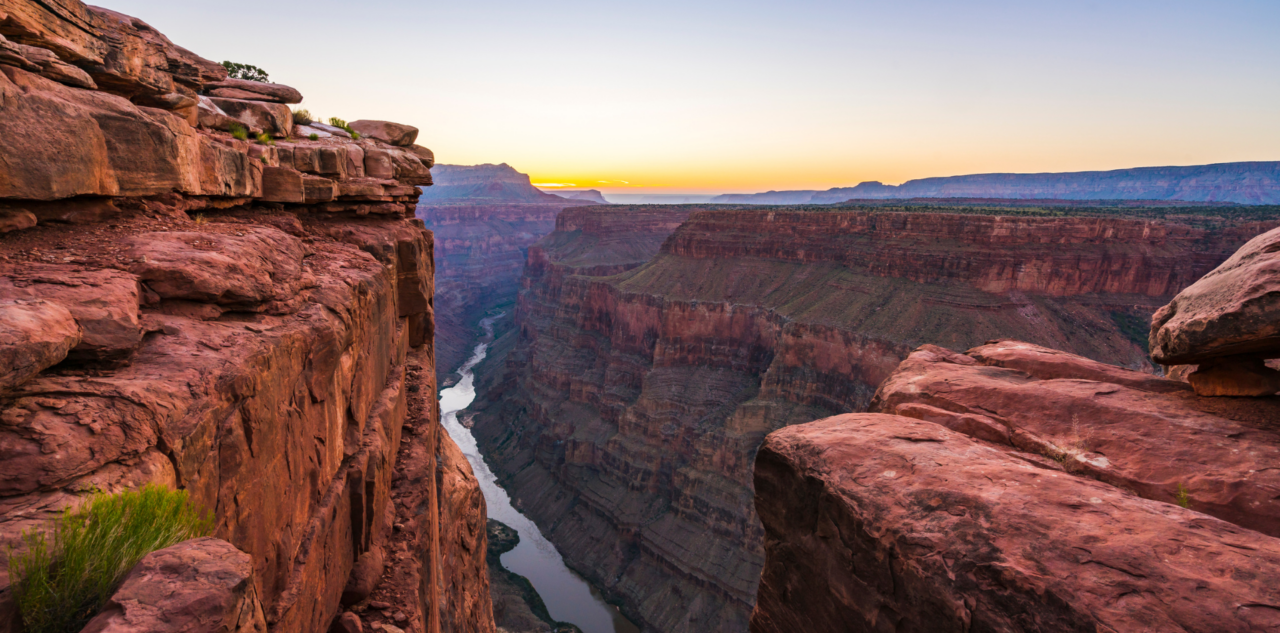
(250, 321)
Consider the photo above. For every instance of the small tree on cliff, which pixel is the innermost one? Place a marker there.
(245, 71)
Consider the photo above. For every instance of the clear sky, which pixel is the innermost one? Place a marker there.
(721, 95)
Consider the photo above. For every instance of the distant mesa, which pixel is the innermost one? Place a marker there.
(483, 184)
(1239, 183)
(592, 195)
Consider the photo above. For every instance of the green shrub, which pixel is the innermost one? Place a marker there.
(239, 132)
(313, 136)
(1183, 496)
(302, 117)
(336, 122)
(60, 585)
(245, 71)
(354, 134)
(265, 139)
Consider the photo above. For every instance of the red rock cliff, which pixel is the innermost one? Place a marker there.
(628, 418)
(249, 321)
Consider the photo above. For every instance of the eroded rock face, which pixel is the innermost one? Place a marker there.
(879, 522)
(204, 585)
(653, 354)
(258, 344)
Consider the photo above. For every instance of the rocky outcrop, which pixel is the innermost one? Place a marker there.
(204, 585)
(590, 195)
(879, 522)
(249, 321)
(656, 352)
(1241, 183)
(484, 219)
(1228, 323)
(1016, 488)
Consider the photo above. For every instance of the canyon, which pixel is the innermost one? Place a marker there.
(484, 219)
(655, 347)
(250, 321)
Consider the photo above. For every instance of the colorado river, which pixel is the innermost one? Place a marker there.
(568, 597)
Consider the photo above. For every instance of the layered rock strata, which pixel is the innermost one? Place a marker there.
(249, 321)
(657, 349)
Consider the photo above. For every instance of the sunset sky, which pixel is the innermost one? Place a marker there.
(708, 96)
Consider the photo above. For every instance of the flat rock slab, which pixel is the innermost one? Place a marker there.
(1233, 310)
(104, 303)
(1147, 435)
(885, 523)
(255, 90)
(204, 585)
(257, 269)
(394, 133)
(34, 335)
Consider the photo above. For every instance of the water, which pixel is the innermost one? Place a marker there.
(568, 597)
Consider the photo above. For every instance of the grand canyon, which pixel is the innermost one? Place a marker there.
(411, 397)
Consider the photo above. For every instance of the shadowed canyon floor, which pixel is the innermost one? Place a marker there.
(655, 347)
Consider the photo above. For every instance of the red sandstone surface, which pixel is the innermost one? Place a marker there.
(879, 522)
(248, 321)
(656, 351)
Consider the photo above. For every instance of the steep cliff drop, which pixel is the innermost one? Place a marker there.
(249, 321)
(658, 346)
(484, 218)
(1019, 488)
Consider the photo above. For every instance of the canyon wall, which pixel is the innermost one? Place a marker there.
(657, 347)
(484, 219)
(248, 321)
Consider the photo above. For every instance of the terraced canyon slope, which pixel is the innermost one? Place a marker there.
(484, 218)
(658, 346)
(250, 322)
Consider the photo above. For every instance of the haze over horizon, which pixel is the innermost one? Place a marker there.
(712, 97)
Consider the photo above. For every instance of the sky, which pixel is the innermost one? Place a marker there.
(712, 96)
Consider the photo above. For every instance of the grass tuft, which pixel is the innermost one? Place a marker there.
(60, 585)
(265, 139)
(302, 116)
(336, 122)
(1184, 496)
(239, 132)
(313, 136)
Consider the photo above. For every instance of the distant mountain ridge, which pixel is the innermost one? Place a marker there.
(482, 184)
(1240, 183)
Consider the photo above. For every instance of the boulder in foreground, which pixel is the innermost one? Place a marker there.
(885, 523)
(396, 134)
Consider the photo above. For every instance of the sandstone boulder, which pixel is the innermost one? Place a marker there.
(209, 115)
(34, 335)
(253, 90)
(204, 585)
(1233, 310)
(275, 119)
(386, 131)
(884, 523)
(56, 69)
(331, 129)
(104, 304)
(16, 220)
(427, 156)
(256, 269)
(282, 184)
(1148, 435)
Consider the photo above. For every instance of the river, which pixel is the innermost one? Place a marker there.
(568, 597)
